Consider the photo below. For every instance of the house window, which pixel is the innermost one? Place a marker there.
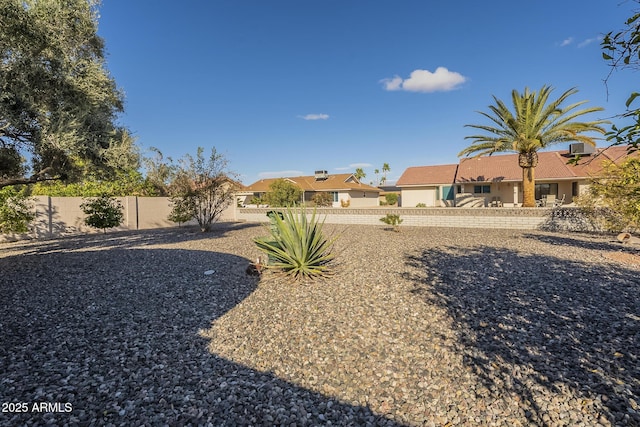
(447, 192)
(546, 189)
(481, 189)
(334, 195)
(575, 189)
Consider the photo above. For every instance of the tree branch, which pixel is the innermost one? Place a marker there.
(39, 177)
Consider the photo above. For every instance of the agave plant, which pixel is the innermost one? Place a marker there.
(297, 245)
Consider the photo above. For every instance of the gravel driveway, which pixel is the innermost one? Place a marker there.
(428, 326)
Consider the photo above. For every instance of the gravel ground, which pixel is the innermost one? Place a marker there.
(435, 327)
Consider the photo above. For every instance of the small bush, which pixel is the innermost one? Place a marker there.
(103, 212)
(392, 198)
(297, 245)
(322, 200)
(181, 210)
(16, 211)
(393, 220)
(421, 205)
(345, 203)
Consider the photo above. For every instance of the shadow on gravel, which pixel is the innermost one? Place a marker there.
(580, 241)
(114, 332)
(548, 330)
(129, 238)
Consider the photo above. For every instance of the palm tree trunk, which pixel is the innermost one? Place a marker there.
(528, 187)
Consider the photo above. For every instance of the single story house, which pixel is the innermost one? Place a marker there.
(428, 185)
(344, 189)
(481, 181)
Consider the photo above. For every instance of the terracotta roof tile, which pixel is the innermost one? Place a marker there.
(337, 182)
(426, 175)
(551, 165)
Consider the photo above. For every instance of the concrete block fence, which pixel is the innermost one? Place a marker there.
(60, 216)
(506, 218)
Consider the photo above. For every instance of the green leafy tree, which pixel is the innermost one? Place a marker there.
(16, 211)
(391, 198)
(160, 171)
(534, 124)
(283, 193)
(102, 212)
(125, 183)
(322, 199)
(613, 197)
(622, 50)
(58, 103)
(203, 186)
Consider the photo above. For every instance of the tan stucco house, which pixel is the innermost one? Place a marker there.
(344, 189)
(483, 181)
(428, 185)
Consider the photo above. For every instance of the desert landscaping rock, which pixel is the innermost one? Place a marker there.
(428, 326)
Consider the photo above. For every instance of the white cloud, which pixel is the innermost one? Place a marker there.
(442, 80)
(315, 117)
(566, 42)
(393, 84)
(589, 41)
(280, 174)
(353, 166)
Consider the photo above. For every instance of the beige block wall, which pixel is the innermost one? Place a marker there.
(61, 216)
(497, 218)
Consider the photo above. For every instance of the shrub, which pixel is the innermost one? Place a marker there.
(15, 210)
(297, 245)
(421, 205)
(392, 220)
(181, 210)
(322, 199)
(614, 197)
(345, 203)
(283, 193)
(391, 198)
(203, 185)
(102, 212)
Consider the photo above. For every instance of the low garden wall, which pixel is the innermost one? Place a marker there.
(507, 218)
(60, 216)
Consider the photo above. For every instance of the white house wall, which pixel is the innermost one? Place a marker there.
(412, 196)
(360, 199)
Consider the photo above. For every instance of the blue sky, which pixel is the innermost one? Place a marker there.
(286, 87)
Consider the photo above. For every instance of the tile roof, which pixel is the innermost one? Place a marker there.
(337, 182)
(426, 175)
(592, 165)
(551, 165)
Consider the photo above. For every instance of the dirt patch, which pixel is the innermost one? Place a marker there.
(624, 257)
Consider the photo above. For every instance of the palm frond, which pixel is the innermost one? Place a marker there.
(533, 123)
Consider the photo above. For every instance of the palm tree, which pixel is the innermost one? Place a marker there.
(359, 174)
(377, 172)
(385, 169)
(535, 124)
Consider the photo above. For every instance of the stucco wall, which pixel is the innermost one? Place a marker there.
(60, 216)
(412, 196)
(362, 199)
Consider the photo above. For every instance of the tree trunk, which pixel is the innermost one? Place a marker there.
(528, 187)
(528, 162)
